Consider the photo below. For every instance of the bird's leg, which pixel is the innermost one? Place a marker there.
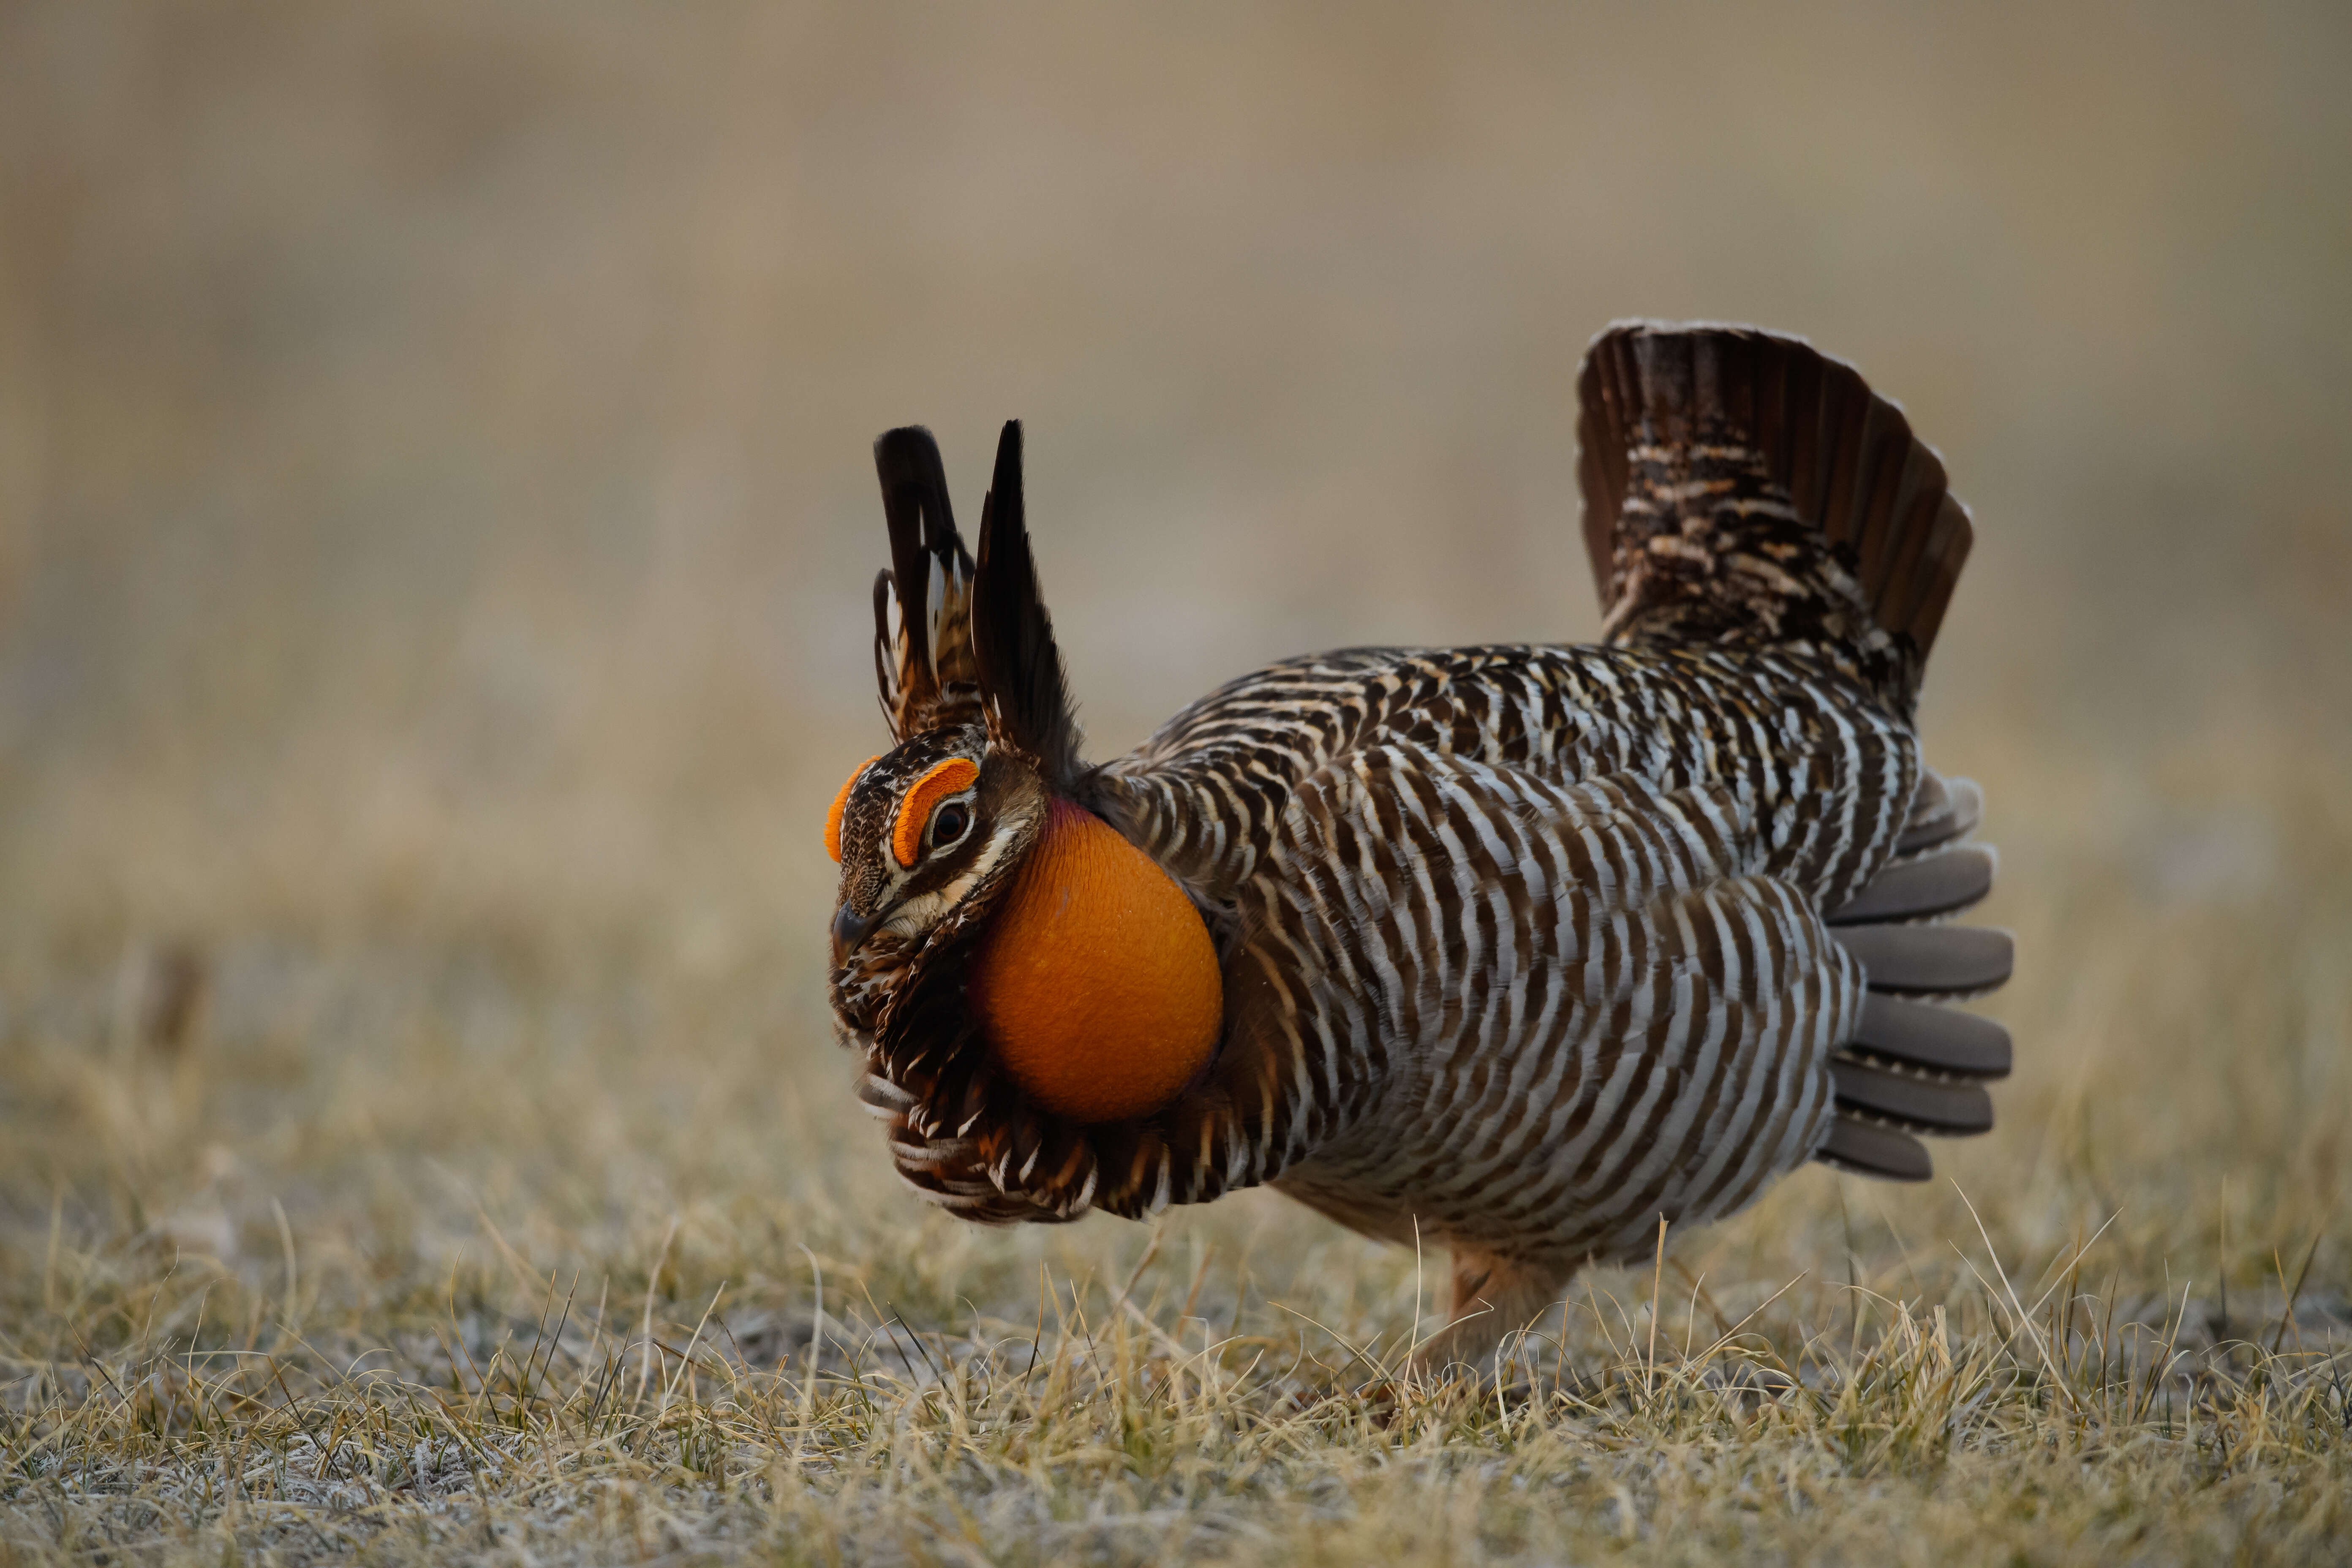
(1493, 1297)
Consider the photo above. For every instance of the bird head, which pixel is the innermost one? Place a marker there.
(988, 925)
(927, 834)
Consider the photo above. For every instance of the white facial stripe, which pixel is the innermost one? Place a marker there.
(918, 915)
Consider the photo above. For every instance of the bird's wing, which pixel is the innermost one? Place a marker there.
(1505, 1003)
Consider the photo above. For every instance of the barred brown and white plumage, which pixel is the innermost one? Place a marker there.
(1518, 949)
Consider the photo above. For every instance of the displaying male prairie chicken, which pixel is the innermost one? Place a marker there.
(1518, 949)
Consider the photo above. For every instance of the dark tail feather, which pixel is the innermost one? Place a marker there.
(1741, 488)
(1929, 1038)
(1911, 1102)
(1930, 961)
(1869, 1150)
(1927, 887)
(1916, 1066)
(1940, 812)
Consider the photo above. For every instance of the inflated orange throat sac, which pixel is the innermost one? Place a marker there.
(1096, 982)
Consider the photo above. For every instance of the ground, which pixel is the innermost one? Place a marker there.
(512, 1237)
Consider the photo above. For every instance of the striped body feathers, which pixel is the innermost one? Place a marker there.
(1517, 948)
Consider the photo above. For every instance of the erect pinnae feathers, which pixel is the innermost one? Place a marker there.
(1023, 690)
(886, 648)
(925, 661)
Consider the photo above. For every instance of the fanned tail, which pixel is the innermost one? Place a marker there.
(1917, 1064)
(1741, 488)
(922, 604)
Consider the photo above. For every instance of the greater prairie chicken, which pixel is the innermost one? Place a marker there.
(1518, 949)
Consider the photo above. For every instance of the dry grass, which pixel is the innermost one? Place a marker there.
(1134, 1432)
(434, 543)
(566, 1246)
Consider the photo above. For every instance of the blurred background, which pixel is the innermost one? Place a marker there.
(436, 521)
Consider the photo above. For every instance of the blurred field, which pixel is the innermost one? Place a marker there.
(435, 523)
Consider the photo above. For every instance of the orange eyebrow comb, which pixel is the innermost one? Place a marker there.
(840, 802)
(941, 779)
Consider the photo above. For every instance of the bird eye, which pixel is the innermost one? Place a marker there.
(949, 825)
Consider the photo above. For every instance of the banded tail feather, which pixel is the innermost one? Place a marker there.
(1866, 1149)
(1742, 489)
(1913, 1102)
(1916, 1064)
(1928, 887)
(1941, 812)
(1931, 1037)
(1954, 962)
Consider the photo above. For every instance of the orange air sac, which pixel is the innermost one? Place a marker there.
(1096, 982)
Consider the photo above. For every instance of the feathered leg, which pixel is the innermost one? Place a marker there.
(1493, 1298)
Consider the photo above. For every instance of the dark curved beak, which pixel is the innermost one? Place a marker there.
(849, 929)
